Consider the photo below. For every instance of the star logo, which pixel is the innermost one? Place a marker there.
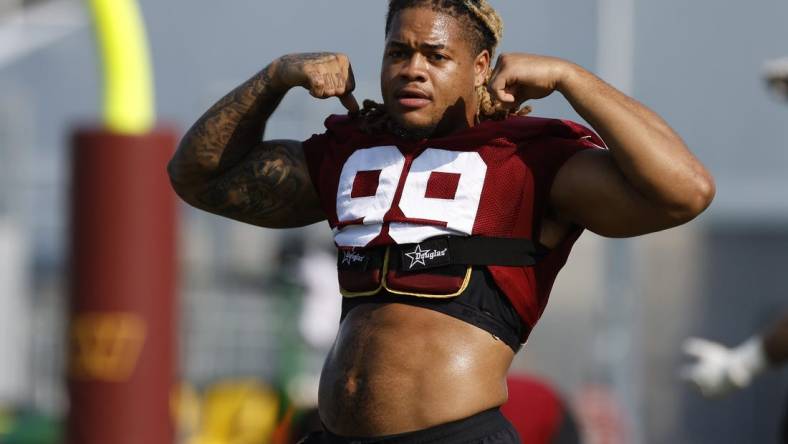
(417, 256)
(350, 257)
(420, 257)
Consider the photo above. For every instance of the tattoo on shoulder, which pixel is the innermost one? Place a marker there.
(229, 123)
(263, 188)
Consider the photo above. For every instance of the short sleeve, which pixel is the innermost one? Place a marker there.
(317, 147)
(558, 153)
(558, 142)
(549, 152)
(314, 150)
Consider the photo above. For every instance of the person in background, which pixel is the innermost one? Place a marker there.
(720, 370)
(538, 412)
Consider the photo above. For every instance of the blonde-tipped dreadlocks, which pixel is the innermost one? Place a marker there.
(485, 33)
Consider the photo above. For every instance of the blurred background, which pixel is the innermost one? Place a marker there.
(257, 308)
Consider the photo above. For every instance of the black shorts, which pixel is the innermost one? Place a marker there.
(488, 427)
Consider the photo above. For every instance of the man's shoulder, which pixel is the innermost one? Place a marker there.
(517, 125)
(341, 123)
(343, 128)
(337, 129)
(339, 120)
(532, 128)
(516, 129)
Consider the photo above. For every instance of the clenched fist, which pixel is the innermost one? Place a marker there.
(520, 77)
(323, 74)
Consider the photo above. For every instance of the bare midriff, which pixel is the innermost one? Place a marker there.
(397, 368)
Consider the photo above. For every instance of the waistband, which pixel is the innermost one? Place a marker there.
(469, 429)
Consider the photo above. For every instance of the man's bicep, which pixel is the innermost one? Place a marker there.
(589, 190)
(270, 187)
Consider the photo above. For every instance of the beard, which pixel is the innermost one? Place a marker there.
(411, 132)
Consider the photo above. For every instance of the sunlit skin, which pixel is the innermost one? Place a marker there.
(430, 73)
(397, 368)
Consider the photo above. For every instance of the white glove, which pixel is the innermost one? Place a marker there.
(720, 370)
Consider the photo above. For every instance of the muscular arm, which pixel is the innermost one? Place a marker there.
(647, 181)
(269, 187)
(223, 167)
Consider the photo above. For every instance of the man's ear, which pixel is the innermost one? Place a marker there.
(482, 67)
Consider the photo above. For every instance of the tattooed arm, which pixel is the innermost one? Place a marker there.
(222, 165)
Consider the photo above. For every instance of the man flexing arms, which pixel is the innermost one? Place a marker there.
(451, 211)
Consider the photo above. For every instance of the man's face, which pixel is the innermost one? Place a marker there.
(430, 72)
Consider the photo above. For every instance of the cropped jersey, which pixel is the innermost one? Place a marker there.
(491, 180)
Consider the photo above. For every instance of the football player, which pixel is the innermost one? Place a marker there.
(451, 210)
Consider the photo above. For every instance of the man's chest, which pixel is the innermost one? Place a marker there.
(384, 194)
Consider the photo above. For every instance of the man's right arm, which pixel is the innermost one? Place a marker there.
(222, 165)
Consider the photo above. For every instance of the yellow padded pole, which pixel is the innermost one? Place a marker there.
(129, 103)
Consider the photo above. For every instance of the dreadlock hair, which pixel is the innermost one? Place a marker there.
(485, 33)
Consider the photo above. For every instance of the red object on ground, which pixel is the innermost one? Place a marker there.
(122, 330)
(534, 409)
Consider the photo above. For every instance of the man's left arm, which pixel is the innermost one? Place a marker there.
(646, 181)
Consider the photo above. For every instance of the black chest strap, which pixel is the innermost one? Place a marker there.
(442, 251)
(457, 250)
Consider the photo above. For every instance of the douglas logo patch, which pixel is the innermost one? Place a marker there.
(426, 258)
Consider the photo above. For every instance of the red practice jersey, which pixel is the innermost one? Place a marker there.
(490, 180)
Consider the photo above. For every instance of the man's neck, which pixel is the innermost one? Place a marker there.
(419, 134)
